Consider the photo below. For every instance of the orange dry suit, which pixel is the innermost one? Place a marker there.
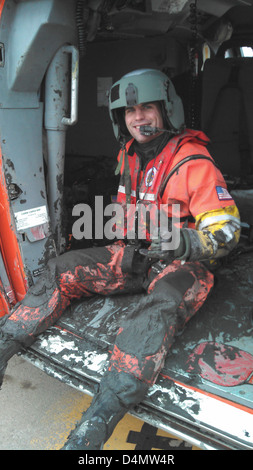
(183, 174)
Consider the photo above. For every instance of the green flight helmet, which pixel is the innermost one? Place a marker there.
(144, 86)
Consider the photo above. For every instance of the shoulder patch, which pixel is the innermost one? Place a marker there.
(223, 194)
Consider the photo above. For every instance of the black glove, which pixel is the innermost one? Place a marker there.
(157, 250)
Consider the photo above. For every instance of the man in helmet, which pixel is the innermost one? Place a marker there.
(161, 164)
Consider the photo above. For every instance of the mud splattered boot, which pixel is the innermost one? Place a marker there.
(96, 424)
(41, 307)
(118, 393)
(8, 347)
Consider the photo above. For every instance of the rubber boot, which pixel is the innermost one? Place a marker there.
(118, 393)
(8, 347)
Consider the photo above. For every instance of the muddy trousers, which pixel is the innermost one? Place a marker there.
(172, 295)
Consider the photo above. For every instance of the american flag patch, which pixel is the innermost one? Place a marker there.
(223, 193)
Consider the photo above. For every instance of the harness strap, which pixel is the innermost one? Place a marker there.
(177, 166)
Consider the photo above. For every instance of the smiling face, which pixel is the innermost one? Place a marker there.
(144, 114)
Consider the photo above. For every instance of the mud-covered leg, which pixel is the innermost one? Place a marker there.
(134, 364)
(147, 333)
(70, 276)
(140, 349)
(141, 344)
(41, 306)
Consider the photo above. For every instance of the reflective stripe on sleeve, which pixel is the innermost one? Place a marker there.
(217, 219)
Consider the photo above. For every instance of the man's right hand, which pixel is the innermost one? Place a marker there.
(157, 249)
